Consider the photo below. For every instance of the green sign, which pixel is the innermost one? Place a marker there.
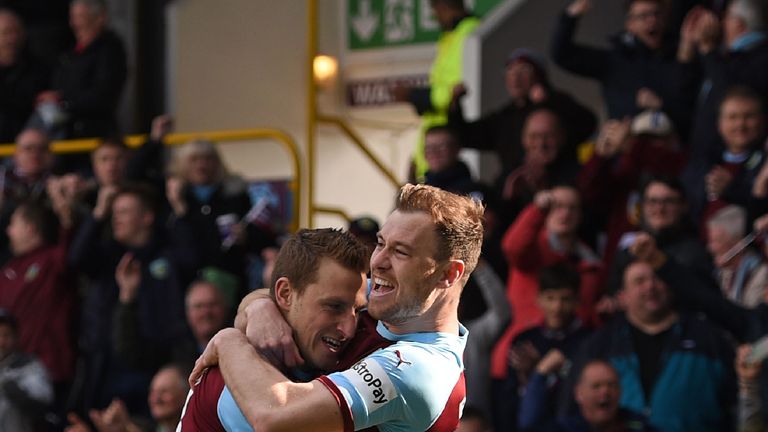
(393, 23)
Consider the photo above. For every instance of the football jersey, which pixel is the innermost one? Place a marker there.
(211, 407)
(412, 382)
(415, 384)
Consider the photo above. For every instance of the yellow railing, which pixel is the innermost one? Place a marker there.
(287, 142)
(314, 117)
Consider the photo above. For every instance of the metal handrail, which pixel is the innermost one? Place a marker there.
(355, 138)
(334, 211)
(281, 137)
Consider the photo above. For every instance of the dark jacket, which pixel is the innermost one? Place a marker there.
(501, 130)
(19, 85)
(456, 179)
(747, 67)
(91, 81)
(627, 67)
(167, 265)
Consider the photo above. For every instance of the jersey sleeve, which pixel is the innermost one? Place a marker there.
(201, 409)
(405, 387)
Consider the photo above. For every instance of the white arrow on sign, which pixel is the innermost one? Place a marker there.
(366, 22)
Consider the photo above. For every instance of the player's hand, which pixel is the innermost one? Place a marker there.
(266, 329)
(210, 356)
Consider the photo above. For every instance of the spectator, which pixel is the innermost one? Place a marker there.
(166, 398)
(639, 71)
(21, 77)
(88, 81)
(216, 204)
(546, 233)
(32, 162)
(529, 88)
(37, 286)
(431, 103)
(445, 170)
(544, 164)
(25, 179)
(663, 215)
(207, 312)
(742, 61)
(141, 270)
(626, 154)
(534, 354)
(365, 229)
(732, 174)
(167, 394)
(597, 395)
(742, 277)
(25, 388)
(486, 328)
(661, 354)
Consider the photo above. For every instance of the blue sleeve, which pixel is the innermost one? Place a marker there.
(533, 406)
(408, 386)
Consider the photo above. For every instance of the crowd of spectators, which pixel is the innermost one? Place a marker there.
(623, 278)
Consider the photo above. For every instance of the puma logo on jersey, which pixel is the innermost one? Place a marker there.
(400, 359)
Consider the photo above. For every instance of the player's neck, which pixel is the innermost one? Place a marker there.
(435, 319)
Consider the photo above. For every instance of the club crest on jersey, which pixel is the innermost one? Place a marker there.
(372, 383)
(32, 273)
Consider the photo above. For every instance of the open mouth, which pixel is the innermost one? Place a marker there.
(381, 287)
(334, 345)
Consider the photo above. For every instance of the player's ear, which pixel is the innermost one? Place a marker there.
(452, 272)
(284, 293)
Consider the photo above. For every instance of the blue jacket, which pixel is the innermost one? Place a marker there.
(695, 387)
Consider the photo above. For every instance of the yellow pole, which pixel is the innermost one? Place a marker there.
(311, 106)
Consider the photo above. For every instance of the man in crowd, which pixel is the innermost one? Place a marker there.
(660, 354)
(528, 87)
(597, 395)
(639, 71)
(426, 250)
(21, 78)
(431, 103)
(88, 81)
(743, 61)
(140, 268)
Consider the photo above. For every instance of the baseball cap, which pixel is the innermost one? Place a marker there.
(651, 122)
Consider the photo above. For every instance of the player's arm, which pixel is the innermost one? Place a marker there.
(266, 329)
(267, 399)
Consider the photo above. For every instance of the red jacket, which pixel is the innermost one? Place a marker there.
(37, 290)
(528, 249)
